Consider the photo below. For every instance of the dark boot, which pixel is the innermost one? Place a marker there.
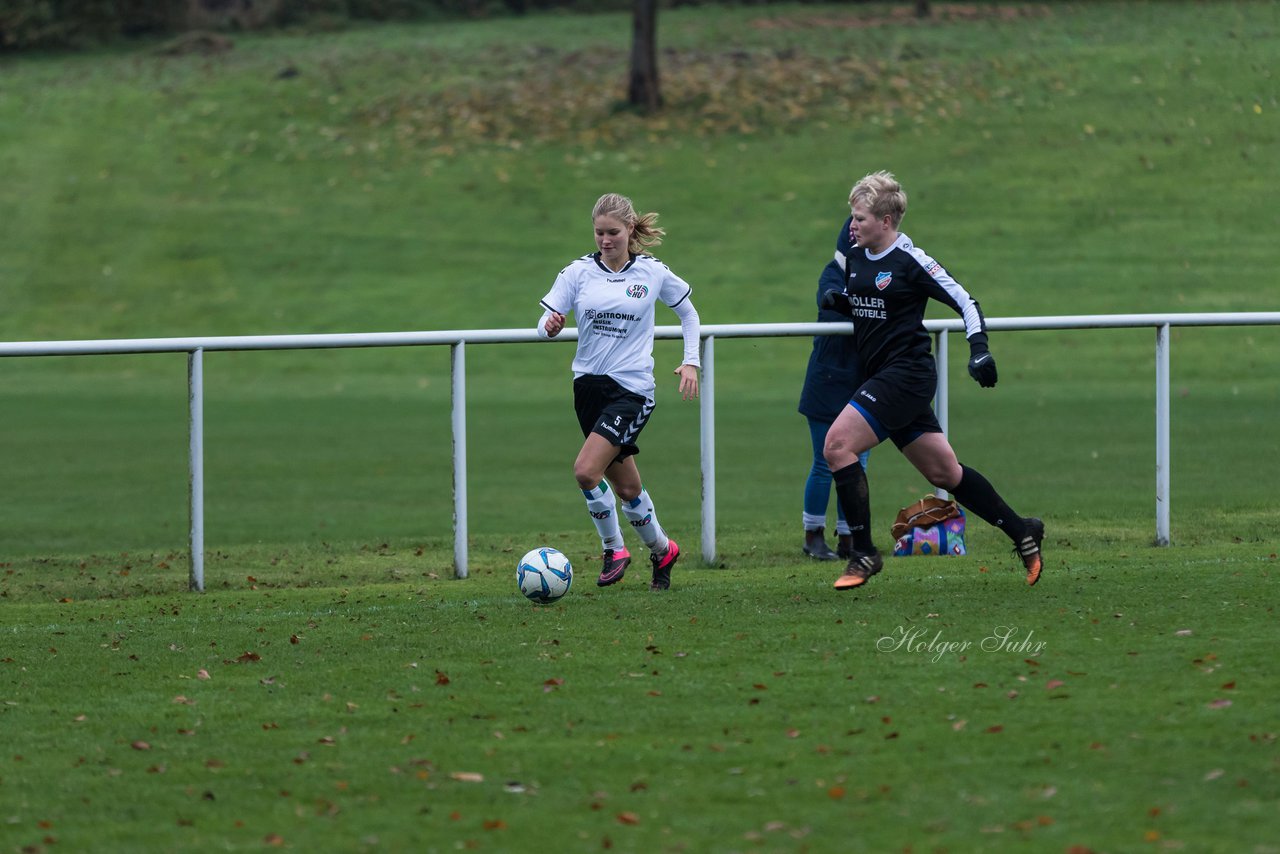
(815, 545)
(844, 550)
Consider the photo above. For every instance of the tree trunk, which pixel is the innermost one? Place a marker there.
(922, 8)
(643, 92)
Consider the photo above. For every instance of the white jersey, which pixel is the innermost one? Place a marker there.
(615, 316)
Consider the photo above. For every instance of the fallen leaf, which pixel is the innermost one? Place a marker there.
(467, 777)
(140, 745)
(628, 818)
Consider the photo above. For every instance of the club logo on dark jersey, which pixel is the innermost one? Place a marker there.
(638, 291)
(883, 280)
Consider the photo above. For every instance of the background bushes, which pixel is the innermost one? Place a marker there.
(70, 24)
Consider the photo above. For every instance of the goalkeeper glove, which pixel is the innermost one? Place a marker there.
(982, 365)
(837, 301)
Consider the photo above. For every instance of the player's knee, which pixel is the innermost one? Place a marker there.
(942, 476)
(833, 447)
(586, 476)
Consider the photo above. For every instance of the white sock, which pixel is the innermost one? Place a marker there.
(603, 510)
(639, 511)
(813, 520)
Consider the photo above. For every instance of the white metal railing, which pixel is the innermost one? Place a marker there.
(458, 339)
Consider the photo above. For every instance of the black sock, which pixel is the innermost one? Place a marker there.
(977, 494)
(852, 493)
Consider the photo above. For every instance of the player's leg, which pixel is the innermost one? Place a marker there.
(853, 433)
(589, 470)
(844, 536)
(817, 493)
(934, 457)
(592, 397)
(639, 509)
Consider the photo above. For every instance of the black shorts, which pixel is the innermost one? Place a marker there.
(606, 408)
(898, 404)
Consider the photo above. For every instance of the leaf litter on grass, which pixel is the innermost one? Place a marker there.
(539, 97)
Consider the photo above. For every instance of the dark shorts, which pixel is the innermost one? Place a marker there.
(898, 405)
(611, 411)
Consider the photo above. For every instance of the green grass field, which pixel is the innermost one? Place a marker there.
(336, 689)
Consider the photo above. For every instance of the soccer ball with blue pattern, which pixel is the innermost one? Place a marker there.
(544, 575)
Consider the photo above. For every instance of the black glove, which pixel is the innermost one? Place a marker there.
(982, 365)
(837, 301)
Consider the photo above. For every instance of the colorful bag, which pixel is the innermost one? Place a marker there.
(931, 526)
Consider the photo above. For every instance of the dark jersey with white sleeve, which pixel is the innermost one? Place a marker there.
(889, 293)
(615, 316)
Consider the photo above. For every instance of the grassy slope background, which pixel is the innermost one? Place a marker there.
(1061, 159)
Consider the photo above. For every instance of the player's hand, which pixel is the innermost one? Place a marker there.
(982, 365)
(688, 375)
(837, 301)
(554, 324)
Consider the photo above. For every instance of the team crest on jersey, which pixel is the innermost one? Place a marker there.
(883, 280)
(637, 290)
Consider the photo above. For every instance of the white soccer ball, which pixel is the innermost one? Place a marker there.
(544, 575)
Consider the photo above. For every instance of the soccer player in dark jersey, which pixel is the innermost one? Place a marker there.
(888, 281)
(614, 292)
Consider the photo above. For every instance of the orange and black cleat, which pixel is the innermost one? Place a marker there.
(860, 568)
(1028, 548)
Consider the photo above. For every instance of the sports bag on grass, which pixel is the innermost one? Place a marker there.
(931, 526)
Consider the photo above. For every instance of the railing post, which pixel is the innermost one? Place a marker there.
(942, 397)
(195, 463)
(1162, 434)
(708, 444)
(459, 422)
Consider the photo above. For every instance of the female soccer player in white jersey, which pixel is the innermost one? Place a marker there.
(613, 293)
(888, 281)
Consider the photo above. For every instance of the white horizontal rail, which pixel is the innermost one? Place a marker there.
(514, 336)
(457, 339)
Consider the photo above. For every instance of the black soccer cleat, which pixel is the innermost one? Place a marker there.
(615, 566)
(662, 566)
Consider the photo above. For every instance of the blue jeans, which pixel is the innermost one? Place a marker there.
(817, 488)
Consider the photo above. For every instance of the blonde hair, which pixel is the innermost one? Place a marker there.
(882, 195)
(644, 228)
